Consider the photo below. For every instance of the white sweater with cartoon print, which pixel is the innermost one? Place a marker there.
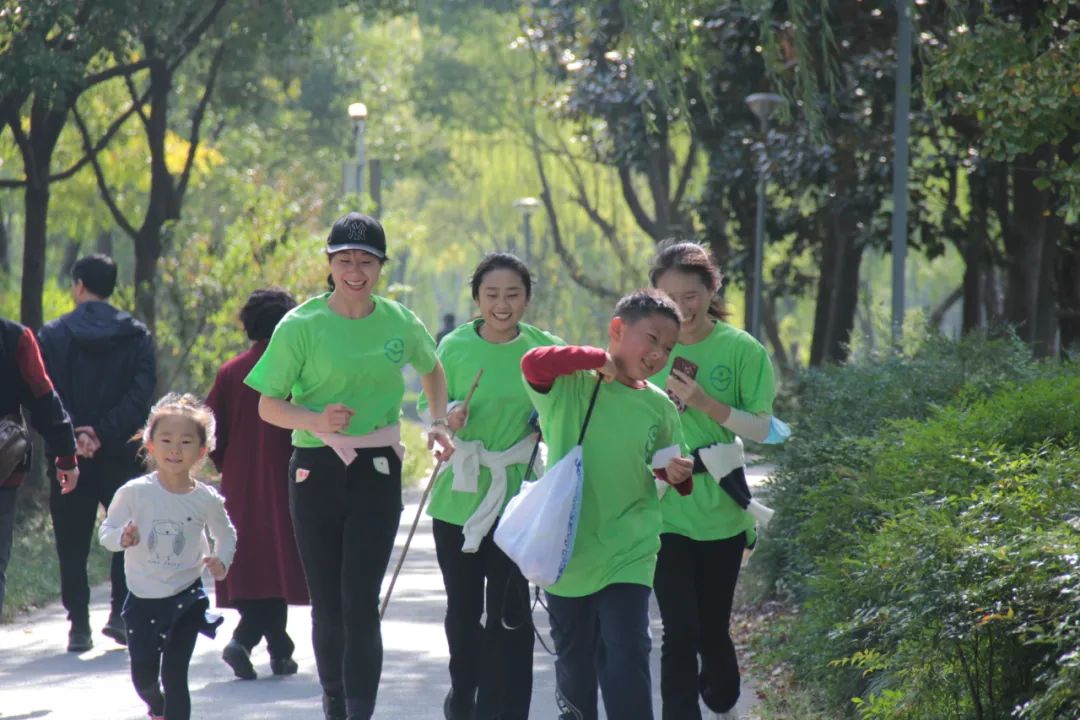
(172, 534)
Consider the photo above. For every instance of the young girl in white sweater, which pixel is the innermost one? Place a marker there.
(160, 522)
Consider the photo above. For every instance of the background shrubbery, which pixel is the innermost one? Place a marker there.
(928, 529)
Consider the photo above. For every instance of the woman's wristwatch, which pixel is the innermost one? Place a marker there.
(438, 422)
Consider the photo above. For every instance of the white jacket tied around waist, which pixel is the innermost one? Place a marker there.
(346, 445)
(466, 461)
(723, 458)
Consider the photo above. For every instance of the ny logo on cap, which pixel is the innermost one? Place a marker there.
(356, 230)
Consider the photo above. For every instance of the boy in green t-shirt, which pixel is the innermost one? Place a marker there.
(599, 608)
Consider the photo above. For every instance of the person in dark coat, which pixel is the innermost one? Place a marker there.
(253, 457)
(27, 385)
(102, 362)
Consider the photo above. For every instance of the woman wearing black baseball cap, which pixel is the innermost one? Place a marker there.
(332, 374)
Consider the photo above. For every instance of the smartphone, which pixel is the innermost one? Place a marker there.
(687, 368)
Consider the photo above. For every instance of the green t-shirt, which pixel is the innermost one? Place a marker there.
(618, 532)
(498, 413)
(735, 369)
(319, 357)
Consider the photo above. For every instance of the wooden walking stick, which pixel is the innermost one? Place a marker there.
(420, 507)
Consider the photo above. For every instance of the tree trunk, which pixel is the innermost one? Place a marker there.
(975, 251)
(838, 284)
(1031, 250)
(104, 243)
(1069, 292)
(36, 199)
(71, 254)
(164, 203)
(45, 126)
(746, 217)
(5, 245)
(837, 299)
(772, 331)
(712, 212)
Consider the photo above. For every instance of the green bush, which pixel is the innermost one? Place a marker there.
(927, 526)
(838, 414)
(966, 606)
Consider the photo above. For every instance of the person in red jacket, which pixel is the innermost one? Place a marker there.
(27, 385)
(253, 458)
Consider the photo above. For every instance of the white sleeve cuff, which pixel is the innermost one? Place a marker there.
(759, 428)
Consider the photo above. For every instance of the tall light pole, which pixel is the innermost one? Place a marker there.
(354, 169)
(762, 105)
(901, 130)
(526, 206)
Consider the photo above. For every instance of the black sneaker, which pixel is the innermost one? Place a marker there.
(238, 658)
(115, 628)
(334, 707)
(79, 640)
(283, 666)
(454, 709)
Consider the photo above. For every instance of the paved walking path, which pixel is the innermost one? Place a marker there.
(39, 680)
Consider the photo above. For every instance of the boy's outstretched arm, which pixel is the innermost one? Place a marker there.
(542, 365)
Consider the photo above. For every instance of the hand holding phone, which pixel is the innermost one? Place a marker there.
(686, 367)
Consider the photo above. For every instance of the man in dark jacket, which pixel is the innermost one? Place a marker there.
(102, 361)
(27, 385)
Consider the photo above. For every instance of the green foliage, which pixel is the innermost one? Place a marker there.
(1005, 65)
(33, 574)
(927, 526)
(418, 462)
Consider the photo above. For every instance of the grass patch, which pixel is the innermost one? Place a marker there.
(761, 627)
(33, 575)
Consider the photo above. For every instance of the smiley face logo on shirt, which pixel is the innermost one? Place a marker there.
(720, 377)
(651, 447)
(394, 349)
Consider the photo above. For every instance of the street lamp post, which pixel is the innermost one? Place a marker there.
(526, 206)
(354, 170)
(762, 105)
(901, 131)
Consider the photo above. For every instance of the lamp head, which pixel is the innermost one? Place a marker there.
(358, 111)
(526, 205)
(764, 104)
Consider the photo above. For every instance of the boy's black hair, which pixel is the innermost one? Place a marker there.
(643, 303)
(263, 311)
(501, 261)
(97, 272)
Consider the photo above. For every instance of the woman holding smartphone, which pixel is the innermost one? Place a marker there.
(722, 381)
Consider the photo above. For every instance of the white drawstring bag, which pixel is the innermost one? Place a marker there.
(539, 524)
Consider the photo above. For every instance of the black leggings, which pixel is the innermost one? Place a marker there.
(346, 519)
(264, 617)
(491, 663)
(695, 589)
(170, 670)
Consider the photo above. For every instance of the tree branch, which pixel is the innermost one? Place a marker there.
(684, 178)
(630, 195)
(103, 186)
(136, 104)
(938, 313)
(198, 116)
(114, 127)
(15, 123)
(576, 273)
(126, 70)
(191, 41)
(582, 199)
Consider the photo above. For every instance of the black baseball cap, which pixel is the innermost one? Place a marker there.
(356, 231)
